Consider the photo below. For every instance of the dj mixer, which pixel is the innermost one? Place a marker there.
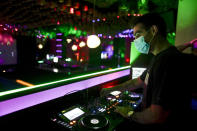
(98, 114)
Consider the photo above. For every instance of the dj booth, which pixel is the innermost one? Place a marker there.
(70, 104)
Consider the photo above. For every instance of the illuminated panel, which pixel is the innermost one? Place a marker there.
(19, 103)
(60, 81)
(74, 113)
(136, 72)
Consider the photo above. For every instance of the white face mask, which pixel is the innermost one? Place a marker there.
(141, 45)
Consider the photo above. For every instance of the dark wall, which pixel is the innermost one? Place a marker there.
(26, 49)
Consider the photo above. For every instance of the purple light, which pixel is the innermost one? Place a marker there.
(127, 31)
(59, 34)
(22, 102)
(59, 51)
(102, 66)
(195, 45)
(110, 37)
(59, 56)
(93, 21)
(98, 19)
(65, 65)
(99, 35)
(75, 66)
(58, 39)
(58, 45)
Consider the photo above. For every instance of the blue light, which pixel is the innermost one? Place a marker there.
(93, 21)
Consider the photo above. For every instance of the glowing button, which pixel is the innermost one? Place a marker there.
(94, 121)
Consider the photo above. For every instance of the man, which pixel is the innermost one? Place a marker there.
(166, 88)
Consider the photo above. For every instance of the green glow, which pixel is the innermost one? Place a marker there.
(65, 29)
(41, 61)
(0, 52)
(134, 53)
(143, 2)
(122, 55)
(68, 59)
(171, 38)
(59, 81)
(111, 42)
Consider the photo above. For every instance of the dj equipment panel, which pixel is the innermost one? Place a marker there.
(97, 114)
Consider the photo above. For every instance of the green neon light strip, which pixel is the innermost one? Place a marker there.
(134, 53)
(64, 80)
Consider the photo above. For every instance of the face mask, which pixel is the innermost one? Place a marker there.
(141, 45)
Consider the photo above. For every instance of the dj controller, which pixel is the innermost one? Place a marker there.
(98, 114)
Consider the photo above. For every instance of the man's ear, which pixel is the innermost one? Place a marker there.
(154, 29)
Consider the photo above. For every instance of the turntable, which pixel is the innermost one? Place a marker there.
(94, 122)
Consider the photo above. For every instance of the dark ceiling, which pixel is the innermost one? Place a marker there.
(31, 14)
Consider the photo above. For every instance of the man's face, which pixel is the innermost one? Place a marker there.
(139, 30)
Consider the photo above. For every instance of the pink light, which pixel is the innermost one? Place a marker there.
(129, 14)
(71, 10)
(11, 39)
(1, 37)
(85, 8)
(5, 28)
(58, 23)
(118, 17)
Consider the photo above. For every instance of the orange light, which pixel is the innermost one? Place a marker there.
(24, 83)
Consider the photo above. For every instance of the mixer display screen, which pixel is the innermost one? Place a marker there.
(74, 113)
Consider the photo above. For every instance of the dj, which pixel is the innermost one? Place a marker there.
(166, 100)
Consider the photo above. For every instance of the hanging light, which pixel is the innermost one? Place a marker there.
(40, 46)
(82, 44)
(74, 47)
(93, 41)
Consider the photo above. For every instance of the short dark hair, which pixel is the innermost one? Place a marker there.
(152, 19)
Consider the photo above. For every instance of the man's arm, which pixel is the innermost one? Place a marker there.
(131, 84)
(152, 115)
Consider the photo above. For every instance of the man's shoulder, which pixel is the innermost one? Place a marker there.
(170, 54)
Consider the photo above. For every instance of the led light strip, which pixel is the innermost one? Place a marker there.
(22, 102)
(24, 83)
(64, 80)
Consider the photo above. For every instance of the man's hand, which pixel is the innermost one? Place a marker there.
(123, 110)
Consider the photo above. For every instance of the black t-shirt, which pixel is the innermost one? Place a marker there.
(168, 83)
